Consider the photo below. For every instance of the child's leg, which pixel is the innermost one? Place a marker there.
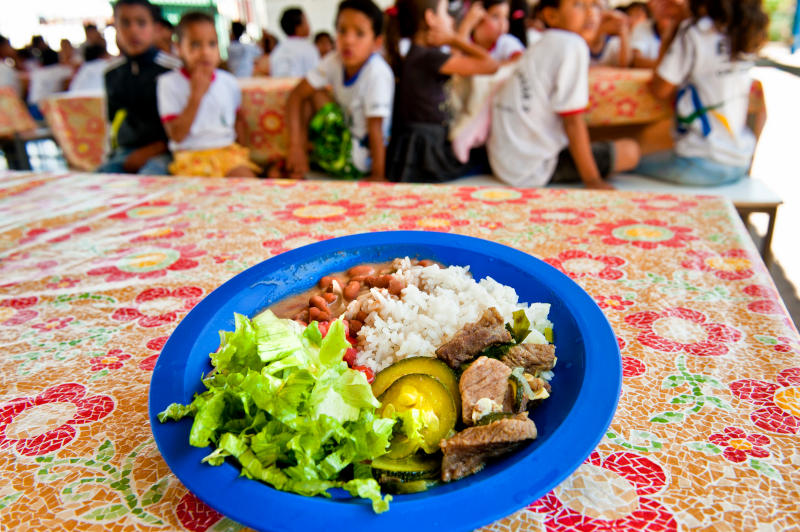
(626, 155)
(158, 165)
(692, 171)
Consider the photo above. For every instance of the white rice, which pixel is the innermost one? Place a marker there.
(436, 303)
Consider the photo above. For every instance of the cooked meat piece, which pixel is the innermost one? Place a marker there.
(532, 357)
(466, 452)
(484, 378)
(474, 338)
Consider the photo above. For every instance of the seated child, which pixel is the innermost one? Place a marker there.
(538, 133)
(363, 86)
(706, 72)
(637, 12)
(324, 43)
(420, 150)
(646, 37)
(295, 56)
(486, 24)
(137, 136)
(199, 106)
(241, 55)
(606, 31)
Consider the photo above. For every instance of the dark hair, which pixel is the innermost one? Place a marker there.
(322, 35)
(89, 26)
(237, 30)
(193, 17)
(268, 42)
(94, 51)
(49, 57)
(518, 12)
(3, 40)
(637, 5)
(368, 8)
(491, 3)
(405, 18)
(155, 11)
(161, 21)
(744, 22)
(291, 18)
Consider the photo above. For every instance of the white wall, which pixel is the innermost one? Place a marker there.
(320, 13)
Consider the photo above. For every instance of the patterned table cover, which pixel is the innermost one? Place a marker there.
(618, 96)
(97, 271)
(14, 115)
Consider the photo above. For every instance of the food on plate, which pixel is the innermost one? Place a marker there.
(454, 364)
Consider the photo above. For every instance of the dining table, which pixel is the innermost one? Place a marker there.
(96, 271)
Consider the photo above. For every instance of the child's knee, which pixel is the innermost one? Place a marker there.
(628, 154)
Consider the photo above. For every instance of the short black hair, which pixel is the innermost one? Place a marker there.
(237, 29)
(193, 17)
(368, 8)
(291, 18)
(555, 4)
(3, 40)
(155, 11)
(322, 35)
(94, 51)
(89, 26)
(161, 21)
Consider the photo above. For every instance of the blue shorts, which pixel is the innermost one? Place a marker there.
(691, 171)
(157, 165)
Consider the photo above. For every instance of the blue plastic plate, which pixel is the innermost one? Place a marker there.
(586, 388)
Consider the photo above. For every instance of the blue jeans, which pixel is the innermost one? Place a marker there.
(158, 165)
(691, 171)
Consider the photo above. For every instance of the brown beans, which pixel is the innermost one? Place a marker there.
(363, 269)
(315, 314)
(359, 278)
(355, 326)
(376, 281)
(426, 262)
(302, 315)
(329, 297)
(350, 291)
(319, 302)
(396, 286)
(362, 315)
(325, 282)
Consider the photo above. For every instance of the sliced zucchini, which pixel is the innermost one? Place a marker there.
(400, 487)
(428, 395)
(491, 418)
(430, 366)
(548, 334)
(414, 467)
(517, 392)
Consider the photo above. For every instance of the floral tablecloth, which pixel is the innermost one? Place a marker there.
(14, 116)
(621, 96)
(97, 271)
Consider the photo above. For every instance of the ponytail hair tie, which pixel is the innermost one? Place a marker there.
(391, 11)
(518, 14)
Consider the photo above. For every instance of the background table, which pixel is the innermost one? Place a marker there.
(97, 271)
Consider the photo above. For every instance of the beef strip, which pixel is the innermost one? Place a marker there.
(532, 357)
(474, 338)
(486, 377)
(466, 452)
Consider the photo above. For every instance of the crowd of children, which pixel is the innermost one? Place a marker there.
(373, 98)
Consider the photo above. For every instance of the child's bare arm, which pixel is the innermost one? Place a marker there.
(138, 157)
(472, 60)
(662, 88)
(581, 150)
(241, 128)
(377, 148)
(471, 19)
(297, 159)
(178, 128)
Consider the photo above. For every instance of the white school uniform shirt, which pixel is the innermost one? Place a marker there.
(242, 57)
(214, 124)
(368, 94)
(506, 47)
(527, 133)
(294, 57)
(645, 39)
(90, 77)
(609, 54)
(9, 77)
(46, 81)
(713, 95)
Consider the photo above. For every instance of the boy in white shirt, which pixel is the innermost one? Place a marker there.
(607, 33)
(199, 107)
(295, 56)
(538, 133)
(363, 85)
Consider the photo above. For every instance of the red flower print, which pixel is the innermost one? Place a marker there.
(161, 231)
(629, 480)
(253, 218)
(495, 195)
(604, 87)
(632, 367)
(159, 306)
(271, 121)
(291, 241)
(195, 515)
(770, 305)
(217, 234)
(148, 262)
(156, 344)
(70, 234)
(35, 426)
(621, 342)
(114, 359)
(53, 324)
(16, 312)
(236, 207)
(577, 264)
(225, 257)
(151, 210)
(778, 402)
(563, 216)
(646, 234)
(738, 444)
(627, 106)
(491, 225)
(440, 221)
(408, 201)
(665, 202)
(321, 211)
(679, 329)
(614, 302)
(785, 345)
(63, 282)
(730, 265)
(32, 234)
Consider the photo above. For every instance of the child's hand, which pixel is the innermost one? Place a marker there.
(613, 23)
(474, 16)
(437, 38)
(200, 81)
(599, 184)
(297, 163)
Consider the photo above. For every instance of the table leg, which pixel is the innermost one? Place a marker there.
(765, 247)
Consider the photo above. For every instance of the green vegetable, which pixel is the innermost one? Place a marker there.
(492, 417)
(332, 143)
(431, 366)
(520, 328)
(284, 404)
(414, 467)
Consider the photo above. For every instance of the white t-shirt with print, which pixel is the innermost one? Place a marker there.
(645, 40)
(506, 47)
(609, 55)
(214, 124)
(368, 94)
(714, 93)
(294, 57)
(527, 132)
